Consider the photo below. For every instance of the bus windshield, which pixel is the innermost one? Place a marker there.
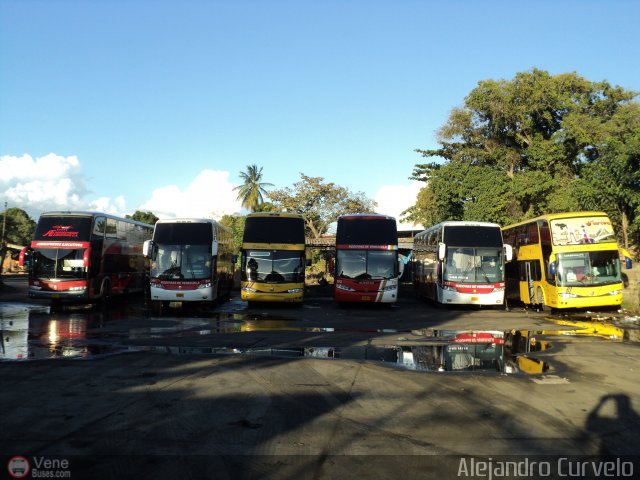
(273, 266)
(182, 262)
(59, 263)
(366, 264)
(473, 265)
(588, 268)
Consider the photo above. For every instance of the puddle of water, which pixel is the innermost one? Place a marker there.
(449, 351)
(30, 332)
(33, 332)
(592, 328)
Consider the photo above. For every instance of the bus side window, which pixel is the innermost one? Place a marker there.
(533, 233)
(112, 229)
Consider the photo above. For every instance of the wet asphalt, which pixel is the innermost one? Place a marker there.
(310, 391)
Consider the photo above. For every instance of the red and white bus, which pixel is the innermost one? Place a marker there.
(459, 262)
(85, 256)
(366, 267)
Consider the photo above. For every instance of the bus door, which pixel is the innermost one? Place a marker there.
(526, 282)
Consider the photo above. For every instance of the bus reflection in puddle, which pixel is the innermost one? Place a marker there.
(29, 332)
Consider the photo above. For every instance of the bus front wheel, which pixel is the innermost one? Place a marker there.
(105, 291)
(156, 307)
(540, 305)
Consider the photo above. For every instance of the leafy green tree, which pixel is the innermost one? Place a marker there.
(252, 191)
(320, 202)
(265, 207)
(145, 217)
(236, 224)
(18, 229)
(519, 148)
(612, 182)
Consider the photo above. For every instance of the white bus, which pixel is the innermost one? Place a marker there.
(191, 260)
(459, 262)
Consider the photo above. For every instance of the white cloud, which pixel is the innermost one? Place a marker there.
(394, 199)
(104, 204)
(210, 194)
(56, 182)
(50, 182)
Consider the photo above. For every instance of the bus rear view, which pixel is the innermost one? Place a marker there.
(366, 267)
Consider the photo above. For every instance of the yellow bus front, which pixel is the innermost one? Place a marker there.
(273, 272)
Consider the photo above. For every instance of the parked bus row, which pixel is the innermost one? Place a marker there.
(88, 256)
(565, 260)
(569, 260)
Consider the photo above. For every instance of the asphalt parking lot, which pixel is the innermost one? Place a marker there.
(312, 392)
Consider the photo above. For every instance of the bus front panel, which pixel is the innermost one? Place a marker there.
(272, 275)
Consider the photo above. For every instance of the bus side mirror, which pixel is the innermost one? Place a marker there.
(553, 268)
(508, 252)
(234, 259)
(400, 267)
(147, 248)
(628, 263)
(442, 251)
(24, 260)
(214, 249)
(307, 262)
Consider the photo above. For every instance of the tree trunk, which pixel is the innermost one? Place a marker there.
(625, 229)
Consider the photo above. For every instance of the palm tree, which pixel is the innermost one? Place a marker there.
(252, 189)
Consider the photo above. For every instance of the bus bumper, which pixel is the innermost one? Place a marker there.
(607, 300)
(284, 292)
(195, 295)
(366, 297)
(63, 295)
(458, 298)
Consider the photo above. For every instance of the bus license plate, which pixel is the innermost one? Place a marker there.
(179, 295)
(366, 298)
(55, 295)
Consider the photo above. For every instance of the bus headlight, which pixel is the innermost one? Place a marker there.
(295, 290)
(388, 288)
(205, 285)
(340, 286)
(77, 289)
(615, 292)
(249, 289)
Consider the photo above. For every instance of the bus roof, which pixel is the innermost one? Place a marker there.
(275, 214)
(457, 223)
(187, 220)
(372, 216)
(81, 213)
(556, 216)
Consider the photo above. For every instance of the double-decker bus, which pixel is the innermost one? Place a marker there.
(191, 261)
(366, 266)
(459, 262)
(565, 260)
(85, 256)
(273, 258)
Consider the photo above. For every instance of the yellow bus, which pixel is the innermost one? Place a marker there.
(565, 260)
(273, 258)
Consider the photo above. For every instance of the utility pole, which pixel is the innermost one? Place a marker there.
(2, 248)
(4, 223)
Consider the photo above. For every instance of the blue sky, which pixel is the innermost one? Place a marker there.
(158, 104)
